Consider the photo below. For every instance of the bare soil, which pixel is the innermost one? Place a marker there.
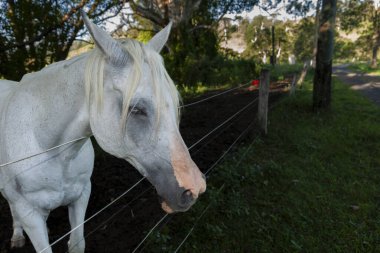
(134, 214)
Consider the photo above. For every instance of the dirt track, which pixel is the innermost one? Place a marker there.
(368, 85)
(113, 176)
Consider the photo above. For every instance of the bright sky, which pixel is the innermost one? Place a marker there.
(280, 11)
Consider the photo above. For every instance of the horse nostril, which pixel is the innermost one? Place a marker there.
(186, 197)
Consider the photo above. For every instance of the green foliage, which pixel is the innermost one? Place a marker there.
(282, 71)
(219, 70)
(344, 49)
(365, 68)
(194, 55)
(312, 185)
(218, 8)
(294, 38)
(304, 42)
(258, 38)
(364, 18)
(36, 33)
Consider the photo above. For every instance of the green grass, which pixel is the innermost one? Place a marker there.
(190, 92)
(311, 185)
(364, 68)
(282, 71)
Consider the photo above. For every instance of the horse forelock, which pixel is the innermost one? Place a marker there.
(136, 55)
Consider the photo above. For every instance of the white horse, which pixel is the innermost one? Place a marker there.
(119, 92)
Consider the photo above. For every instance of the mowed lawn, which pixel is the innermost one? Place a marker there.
(311, 185)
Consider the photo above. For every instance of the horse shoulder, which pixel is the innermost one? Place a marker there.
(6, 86)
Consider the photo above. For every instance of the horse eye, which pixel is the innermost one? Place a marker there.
(137, 111)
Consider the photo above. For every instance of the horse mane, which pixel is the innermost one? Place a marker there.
(137, 54)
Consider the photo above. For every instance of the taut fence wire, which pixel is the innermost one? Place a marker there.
(216, 95)
(138, 182)
(208, 171)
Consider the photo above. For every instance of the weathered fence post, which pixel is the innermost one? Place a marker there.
(263, 100)
(303, 74)
(293, 85)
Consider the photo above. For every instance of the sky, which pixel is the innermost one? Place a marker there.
(280, 11)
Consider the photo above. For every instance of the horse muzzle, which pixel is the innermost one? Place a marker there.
(183, 201)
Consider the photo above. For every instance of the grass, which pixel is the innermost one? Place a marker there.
(281, 71)
(190, 92)
(364, 68)
(311, 185)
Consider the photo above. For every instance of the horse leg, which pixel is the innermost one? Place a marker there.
(18, 239)
(77, 211)
(34, 223)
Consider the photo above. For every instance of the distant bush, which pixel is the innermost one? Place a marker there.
(282, 71)
(218, 70)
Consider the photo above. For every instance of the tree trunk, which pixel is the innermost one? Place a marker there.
(323, 71)
(375, 49)
(273, 57)
(316, 33)
(376, 37)
(374, 56)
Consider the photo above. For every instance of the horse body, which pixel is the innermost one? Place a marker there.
(91, 94)
(33, 120)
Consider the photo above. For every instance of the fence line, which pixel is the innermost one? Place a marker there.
(119, 197)
(216, 95)
(229, 149)
(150, 231)
(123, 194)
(85, 137)
(114, 215)
(206, 209)
(229, 119)
(197, 220)
(94, 215)
(148, 188)
(208, 171)
(42, 152)
(217, 135)
(58, 146)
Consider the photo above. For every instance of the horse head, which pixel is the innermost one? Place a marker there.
(134, 114)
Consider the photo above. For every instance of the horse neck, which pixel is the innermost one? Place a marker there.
(59, 94)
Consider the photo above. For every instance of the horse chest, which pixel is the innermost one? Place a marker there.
(59, 181)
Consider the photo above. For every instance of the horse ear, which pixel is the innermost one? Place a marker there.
(159, 40)
(104, 41)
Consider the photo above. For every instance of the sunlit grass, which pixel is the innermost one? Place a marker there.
(311, 185)
(188, 92)
(365, 68)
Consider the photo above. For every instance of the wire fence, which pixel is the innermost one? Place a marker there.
(138, 182)
(86, 137)
(226, 124)
(208, 171)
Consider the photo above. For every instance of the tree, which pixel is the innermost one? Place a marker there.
(304, 42)
(363, 16)
(258, 37)
(194, 40)
(36, 33)
(323, 71)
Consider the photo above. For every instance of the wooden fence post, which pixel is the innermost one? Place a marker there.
(263, 100)
(303, 74)
(293, 85)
